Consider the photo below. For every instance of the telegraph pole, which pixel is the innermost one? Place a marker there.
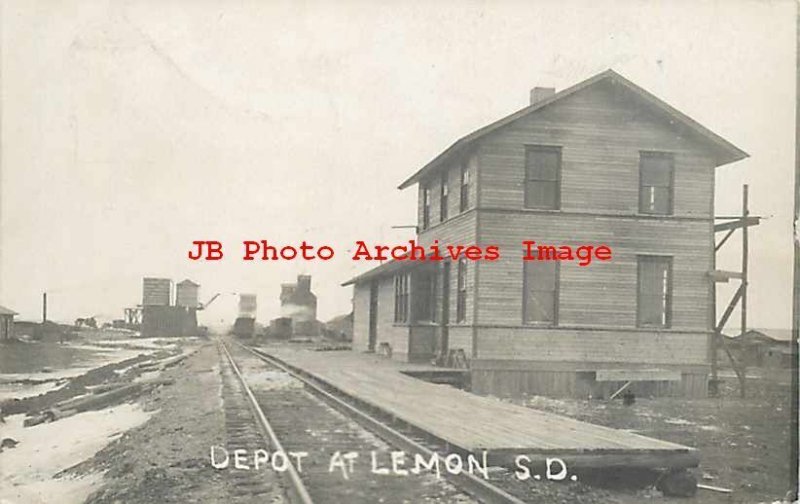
(793, 463)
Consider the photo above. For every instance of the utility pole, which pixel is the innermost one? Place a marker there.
(794, 448)
(793, 462)
(44, 307)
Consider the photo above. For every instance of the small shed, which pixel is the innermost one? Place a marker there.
(764, 348)
(6, 323)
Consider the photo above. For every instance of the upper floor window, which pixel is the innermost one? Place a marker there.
(444, 191)
(654, 297)
(461, 294)
(464, 186)
(656, 174)
(426, 206)
(540, 292)
(542, 177)
(401, 298)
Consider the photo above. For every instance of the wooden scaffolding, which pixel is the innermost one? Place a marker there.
(729, 225)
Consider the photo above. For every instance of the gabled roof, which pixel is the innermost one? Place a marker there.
(7, 311)
(727, 152)
(188, 282)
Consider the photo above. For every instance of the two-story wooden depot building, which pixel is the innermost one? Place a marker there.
(604, 162)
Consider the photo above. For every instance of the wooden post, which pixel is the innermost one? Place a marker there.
(44, 307)
(713, 385)
(745, 213)
(793, 430)
(745, 247)
(795, 342)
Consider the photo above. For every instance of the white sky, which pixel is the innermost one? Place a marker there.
(130, 129)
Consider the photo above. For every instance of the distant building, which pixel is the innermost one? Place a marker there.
(758, 348)
(6, 323)
(160, 318)
(299, 304)
(168, 321)
(186, 294)
(247, 306)
(244, 327)
(340, 327)
(245, 324)
(156, 291)
(280, 328)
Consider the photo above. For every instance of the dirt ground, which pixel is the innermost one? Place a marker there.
(743, 443)
(166, 459)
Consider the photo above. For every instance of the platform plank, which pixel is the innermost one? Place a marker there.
(476, 423)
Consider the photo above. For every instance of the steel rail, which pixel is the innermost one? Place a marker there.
(474, 485)
(298, 488)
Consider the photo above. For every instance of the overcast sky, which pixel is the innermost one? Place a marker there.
(130, 129)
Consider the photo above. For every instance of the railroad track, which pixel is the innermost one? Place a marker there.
(292, 414)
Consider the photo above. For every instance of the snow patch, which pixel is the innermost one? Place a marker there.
(26, 471)
(21, 391)
(678, 421)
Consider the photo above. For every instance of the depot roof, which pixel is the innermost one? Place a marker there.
(726, 151)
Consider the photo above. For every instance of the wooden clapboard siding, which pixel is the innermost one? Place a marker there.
(592, 344)
(461, 337)
(601, 136)
(603, 293)
(459, 230)
(361, 316)
(421, 342)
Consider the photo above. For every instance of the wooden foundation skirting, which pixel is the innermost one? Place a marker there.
(520, 378)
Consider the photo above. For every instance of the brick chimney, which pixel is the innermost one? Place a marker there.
(540, 93)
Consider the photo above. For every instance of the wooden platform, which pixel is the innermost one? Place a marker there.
(474, 423)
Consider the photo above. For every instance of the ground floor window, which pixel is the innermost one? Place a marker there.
(654, 297)
(461, 295)
(540, 292)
